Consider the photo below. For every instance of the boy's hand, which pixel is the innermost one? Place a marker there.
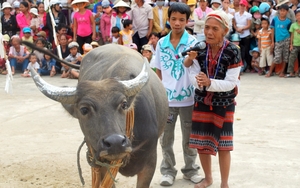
(291, 47)
(79, 58)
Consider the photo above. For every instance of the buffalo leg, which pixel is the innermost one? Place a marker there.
(145, 176)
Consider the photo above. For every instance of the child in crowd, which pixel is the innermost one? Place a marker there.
(254, 32)
(48, 66)
(35, 21)
(265, 44)
(235, 39)
(294, 46)
(146, 52)
(119, 14)
(74, 73)
(280, 26)
(27, 36)
(97, 17)
(133, 46)
(126, 34)
(40, 42)
(255, 60)
(115, 32)
(32, 64)
(94, 44)
(74, 57)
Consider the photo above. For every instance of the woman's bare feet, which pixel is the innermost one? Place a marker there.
(204, 183)
(224, 185)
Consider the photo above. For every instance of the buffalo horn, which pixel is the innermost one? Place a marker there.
(66, 95)
(133, 86)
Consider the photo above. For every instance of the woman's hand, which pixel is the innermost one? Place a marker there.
(203, 80)
(94, 36)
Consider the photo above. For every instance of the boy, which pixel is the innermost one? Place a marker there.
(180, 94)
(280, 27)
(265, 44)
(255, 60)
(295, 45)
(27, 36)
(32, 64)
(126, 34)
(74, 58)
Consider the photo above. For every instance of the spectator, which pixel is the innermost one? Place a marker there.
(153, 39)
(48, 66)
(97, 17)
(16, 6)
(133, 46)
(255, 61)
(147, 52)
(180, 95)
(242, 24)
(84, 29)
(126, 34)
(119, 14)
(42, 34)
(74, 57)
(216, 4)
(115, 35)
(64, 50)
(199, 16)
(291, 14)
(94, 44)
(36, 22)
(265, 44)
(191, 4)
(281, 25)
(230, 13)
(9, 22)
(160, 18)
(40, 42)
(295, 46)
(58, 16)
(27, 36)
(142, 22)
(33, 64)
(18, 55)
(105, 22)
(265, 9)
(42, 15)
(23, 18)
(63, 29)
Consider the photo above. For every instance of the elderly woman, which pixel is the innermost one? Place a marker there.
(216, 78)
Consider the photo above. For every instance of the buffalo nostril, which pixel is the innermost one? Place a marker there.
(106, 144)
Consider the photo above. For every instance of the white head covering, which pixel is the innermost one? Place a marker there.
(219, 15)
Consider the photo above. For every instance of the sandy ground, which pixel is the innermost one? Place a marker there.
(39, 140)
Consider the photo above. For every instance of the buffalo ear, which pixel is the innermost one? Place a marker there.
(70, 109)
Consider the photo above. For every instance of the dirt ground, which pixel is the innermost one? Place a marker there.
(39, 140)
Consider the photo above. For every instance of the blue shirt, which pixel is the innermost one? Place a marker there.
(281, 28)
(175, 78)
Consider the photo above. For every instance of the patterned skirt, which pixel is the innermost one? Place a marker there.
(212, 128)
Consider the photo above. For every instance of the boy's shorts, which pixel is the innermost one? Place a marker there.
(281, 51)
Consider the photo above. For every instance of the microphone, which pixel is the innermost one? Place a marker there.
(198, 46)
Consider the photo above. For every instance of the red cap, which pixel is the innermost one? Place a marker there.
(244, 2)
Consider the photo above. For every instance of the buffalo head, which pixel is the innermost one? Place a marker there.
(100, 106)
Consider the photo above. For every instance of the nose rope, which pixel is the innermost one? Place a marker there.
(113, 167)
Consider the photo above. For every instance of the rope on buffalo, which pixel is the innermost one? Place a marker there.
(113, 167)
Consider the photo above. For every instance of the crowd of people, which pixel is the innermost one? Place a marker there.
(240, 36)
(143, 22)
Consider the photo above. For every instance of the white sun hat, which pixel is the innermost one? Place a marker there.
(34, 11)
(6, 5)
(79, 1)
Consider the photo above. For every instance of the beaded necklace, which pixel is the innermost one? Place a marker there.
(214, 61)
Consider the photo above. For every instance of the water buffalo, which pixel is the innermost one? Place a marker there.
(113, 79)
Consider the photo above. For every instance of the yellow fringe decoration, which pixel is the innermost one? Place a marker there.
(107, 181)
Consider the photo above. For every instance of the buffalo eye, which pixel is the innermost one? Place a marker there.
(124, 105)
(84, 110)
